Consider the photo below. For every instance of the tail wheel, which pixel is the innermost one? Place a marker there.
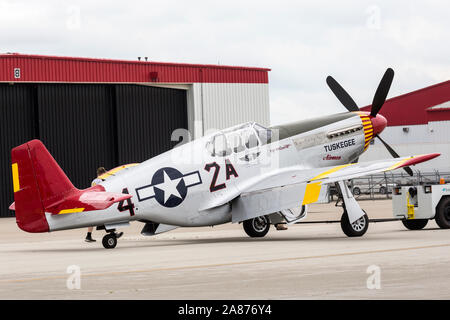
(415, 224)
(442, 216)
(356, 191)
(109, 241)
(257, 227)
(355, 229)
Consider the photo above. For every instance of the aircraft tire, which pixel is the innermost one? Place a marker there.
(257, 227)
(443, 214)
(109, 241)
(357, 228)
(415, 224)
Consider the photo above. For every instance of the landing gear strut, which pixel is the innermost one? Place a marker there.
(354, 220)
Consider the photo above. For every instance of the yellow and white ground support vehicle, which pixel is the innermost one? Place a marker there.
(415, 205)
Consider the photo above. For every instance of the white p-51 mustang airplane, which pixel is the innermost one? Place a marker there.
(246, 173)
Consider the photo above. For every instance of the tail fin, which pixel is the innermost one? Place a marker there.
(37, 181)
(40, 185)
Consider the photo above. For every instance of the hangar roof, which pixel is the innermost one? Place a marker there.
(39, 68)
(415, 107)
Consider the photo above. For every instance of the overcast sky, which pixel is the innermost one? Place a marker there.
(302, 42)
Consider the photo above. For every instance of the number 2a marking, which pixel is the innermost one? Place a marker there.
(213, 187)
(229, 171)
(129, 206)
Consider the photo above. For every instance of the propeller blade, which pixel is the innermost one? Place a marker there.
(382, 91)
(341, 94)
(394, 154)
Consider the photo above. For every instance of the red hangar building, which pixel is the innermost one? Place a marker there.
(102, 112)
(418, 123)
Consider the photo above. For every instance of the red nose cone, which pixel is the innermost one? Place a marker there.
(378, 123)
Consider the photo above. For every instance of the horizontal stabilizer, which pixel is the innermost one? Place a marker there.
(90, 199)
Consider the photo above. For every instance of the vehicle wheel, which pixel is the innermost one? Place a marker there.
(357, 228)
(443, 214)
(109, 241)
(383, 190)
(257, 227)
(415, 224)
(356, 191)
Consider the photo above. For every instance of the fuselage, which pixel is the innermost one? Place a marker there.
(174, 187)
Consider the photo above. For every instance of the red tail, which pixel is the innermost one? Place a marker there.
(40, 186)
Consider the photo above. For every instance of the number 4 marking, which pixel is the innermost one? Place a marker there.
(129, 206)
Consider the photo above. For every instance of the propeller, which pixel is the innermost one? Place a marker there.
(382, 91)
(342, 95)
(394, 154)
(377, 103)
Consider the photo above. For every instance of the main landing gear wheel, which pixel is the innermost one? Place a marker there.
(355, 229)
(415, 224)
(257, 227)
(443, 214)
(109, 241)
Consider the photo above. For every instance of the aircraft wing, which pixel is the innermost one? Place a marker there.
(296, 186)
(354, 170)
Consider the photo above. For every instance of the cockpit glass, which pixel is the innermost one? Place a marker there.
(264, 134)
(238, 139)
(250, 139)
(221, 147)
(235, 142)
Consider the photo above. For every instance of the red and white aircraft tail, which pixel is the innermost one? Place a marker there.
(41, 186)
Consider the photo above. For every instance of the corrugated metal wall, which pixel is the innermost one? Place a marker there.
(222, 105)
(87, 126)
(17, 125)
(77, 126)
(36, 68)
(411, 108)
(146, 118)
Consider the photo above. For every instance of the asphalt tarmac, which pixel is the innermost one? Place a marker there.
(307, 261)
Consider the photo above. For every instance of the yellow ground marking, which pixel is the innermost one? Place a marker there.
(324, 174)
(312, 192)
(15, 175)
(71, 210)
(230, 264)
